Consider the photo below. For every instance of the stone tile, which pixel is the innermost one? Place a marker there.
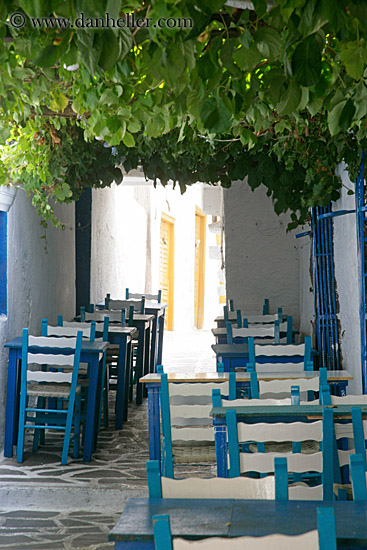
(118, 463)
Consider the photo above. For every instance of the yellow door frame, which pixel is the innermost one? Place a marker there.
(171, 266)
(199, 312)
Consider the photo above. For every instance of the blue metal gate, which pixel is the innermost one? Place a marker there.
(326, 323)
(361, 243)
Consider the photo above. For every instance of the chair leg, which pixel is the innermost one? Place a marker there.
(21, 430)
(69, 422)
(76, 444)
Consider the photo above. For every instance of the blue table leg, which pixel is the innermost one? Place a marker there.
(92, 406)
(160, 338)
(153, 348)
(121, 381)
(220, 435)
(154, 423)
(11, 427)
(140, 364)
(128, 378)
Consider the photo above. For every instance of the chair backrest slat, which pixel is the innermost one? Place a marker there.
(50, 359)
(50, 342)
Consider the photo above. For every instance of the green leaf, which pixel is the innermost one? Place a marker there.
(306, 62)
(334, 116)
(110, 50)
(354, 59)
(346, 116)
(314, 105)
(113, 124)
(128, 140)
(268, 42)
(113, 8)
(260, 7)
(48, 56)
(206, 69)
(247, 58)
(126, 42)
(215, 116)
(248, 138)
(290, 100)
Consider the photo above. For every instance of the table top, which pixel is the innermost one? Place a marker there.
(286, 410)
(332, 375)
(87, 346)
(116, 329)
(231, 350)
(199, 518)
(222, 331)
(148, 305)
(232, 316)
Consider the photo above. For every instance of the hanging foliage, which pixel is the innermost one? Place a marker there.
(277, 93)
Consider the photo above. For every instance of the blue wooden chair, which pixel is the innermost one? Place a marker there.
(280, 357)
(299, 462)
(215, 487)
(187, 429)
(324, 538)
(42, 385)
(269, 333)
(66, 328)
(359, 477)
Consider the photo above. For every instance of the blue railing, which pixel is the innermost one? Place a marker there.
(326, 323)
(361, 243)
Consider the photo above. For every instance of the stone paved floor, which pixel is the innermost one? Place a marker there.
(45, 506)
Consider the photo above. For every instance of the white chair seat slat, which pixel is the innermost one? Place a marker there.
(295, 431)
(346, 430)
(307, 541)
(236, 488)
(68, 331)
(279, 350)
(256, 331)
(268, 368)
(190, 411)
(193, 434)
(50, 342)
(344, 456)
(50, 390)
(278, 386)
(297, 462)
(253, 402)
(50, 360)
(301, 491)
(262, 319)
(349, 400)
(197, 388)
(47, 376)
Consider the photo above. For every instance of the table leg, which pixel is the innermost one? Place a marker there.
(154, 424)
(92, 405)
(160, 337)
(147, 365)
(220, 435)
(121, 381)
(128, 379)
(140, 365)
(11, 428)
(153, 344)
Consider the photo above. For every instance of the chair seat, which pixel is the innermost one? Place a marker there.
(307, 447)
(51, 390)
(193, 451)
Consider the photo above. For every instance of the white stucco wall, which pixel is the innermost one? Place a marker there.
(40, 284)
(347, 286)
(306, 294)
(261, 257)
(126, 243)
